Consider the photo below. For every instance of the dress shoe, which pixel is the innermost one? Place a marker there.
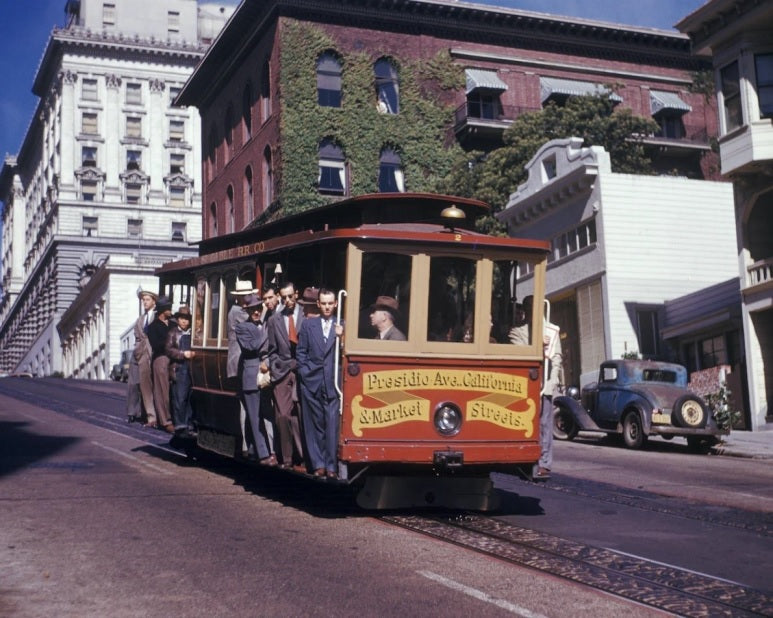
(151, 425)
(286, 466)
(542, 473)
(169, 428)
(269, 461)
(299, 468)
(319, 472)
(133, 419)
(332, 475)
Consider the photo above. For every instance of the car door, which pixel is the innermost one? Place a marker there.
(606, 412)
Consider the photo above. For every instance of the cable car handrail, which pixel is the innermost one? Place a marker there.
(337, 357)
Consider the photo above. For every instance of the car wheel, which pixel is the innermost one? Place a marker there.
(701, 444)
(564, 425)
(633, 431)
(689, 412)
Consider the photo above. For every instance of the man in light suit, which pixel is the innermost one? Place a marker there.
(236, 315)
(383, 314)
(320, 402)
(283, 329)
(140, 382)
(253, 343)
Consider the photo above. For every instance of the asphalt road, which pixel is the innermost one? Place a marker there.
(103, 519)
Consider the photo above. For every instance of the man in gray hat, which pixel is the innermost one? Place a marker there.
(383, 314)
(157, 334)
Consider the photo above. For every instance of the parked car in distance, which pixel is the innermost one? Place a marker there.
(637, 398)
(120, 371)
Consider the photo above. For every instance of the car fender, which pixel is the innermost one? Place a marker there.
(580, 414)
(642, 408)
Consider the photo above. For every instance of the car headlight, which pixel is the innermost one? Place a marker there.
(448, 419)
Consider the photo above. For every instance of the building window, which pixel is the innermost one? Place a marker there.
(134, 127)
(90, 225)
(174, 91)
(212, 154)
(648, 332)
(133, 193)
(212, 220)
(387, 87)
(332, 168)
(671, 125)
(176, 163)
(247, 112)
(484, 105)
(573, 240)
(229, 193)
(173, 22)
(177, 196)
(89, 123)
(228, 131)
(249, 197)
(268, 178)
(133, 159)
(134, 93)
(763, 64)
(731, 96)
(89, 90)
(88, 190)
(265, 92)
(176, 130)
(548, 168)
(328, 80)
(134, 228)
(713, 352)
(89, 156)
(108, 15)
(390, 173)
(178, 231)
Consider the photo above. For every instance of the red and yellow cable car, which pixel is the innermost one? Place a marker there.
(424, 419)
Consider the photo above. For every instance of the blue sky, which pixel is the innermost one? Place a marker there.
(25, 27)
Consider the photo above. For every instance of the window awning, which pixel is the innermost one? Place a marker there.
(667, 101)
(569, 87)
(483, 80)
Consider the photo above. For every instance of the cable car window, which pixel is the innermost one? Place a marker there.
(198, 311)
(214, 309)
(510, 322)
(452, 299)
(385, 289)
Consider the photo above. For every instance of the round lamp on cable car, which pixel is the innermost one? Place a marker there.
(450, 215)
(448, 419)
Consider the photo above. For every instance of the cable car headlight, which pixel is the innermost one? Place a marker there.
(448, 419)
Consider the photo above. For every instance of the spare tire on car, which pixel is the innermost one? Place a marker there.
(689, 412)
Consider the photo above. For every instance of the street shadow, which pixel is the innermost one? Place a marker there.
(20, 448)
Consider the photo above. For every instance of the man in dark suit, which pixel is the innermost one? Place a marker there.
(320, 401)
(383, 314)
(253, 343)
(283, 329)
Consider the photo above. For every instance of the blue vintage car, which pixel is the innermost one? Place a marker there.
(638, 398)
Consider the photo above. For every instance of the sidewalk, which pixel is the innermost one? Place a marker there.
(752, 444)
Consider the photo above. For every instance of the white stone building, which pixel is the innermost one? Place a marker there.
(106, 185)
(738, 35)
(623, 244)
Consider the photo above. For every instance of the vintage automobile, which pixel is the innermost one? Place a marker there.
(120, 371)
(638, 398)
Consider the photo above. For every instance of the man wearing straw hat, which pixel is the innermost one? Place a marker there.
(237, 315)
(140, 381)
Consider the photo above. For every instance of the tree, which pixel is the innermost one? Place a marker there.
(493, 176)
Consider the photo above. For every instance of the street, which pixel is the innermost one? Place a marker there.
(103, 518)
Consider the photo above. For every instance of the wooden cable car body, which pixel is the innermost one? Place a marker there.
(422, 421)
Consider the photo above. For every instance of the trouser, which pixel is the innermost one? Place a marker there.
(320, 426)
(546, 433)
(182, 411)
(285, 409)
(146, 389)
(251, 401)
(161, 389)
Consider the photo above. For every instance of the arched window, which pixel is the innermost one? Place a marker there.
(247, 111)
(212, 220)
(265, 92)
(228, 128)
(230, 205)
(268, 179)
(387, 87)
(329, 80)
(249, 198)
(332, 168)
(390, 173)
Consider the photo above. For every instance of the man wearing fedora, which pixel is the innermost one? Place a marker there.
(236, 315)
(383, 314)
(253, 343)
(157, 334)
(140, 381)
(178, 349)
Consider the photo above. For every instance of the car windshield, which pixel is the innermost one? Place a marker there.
(659, 375)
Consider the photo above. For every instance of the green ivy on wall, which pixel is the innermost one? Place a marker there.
(419, 132)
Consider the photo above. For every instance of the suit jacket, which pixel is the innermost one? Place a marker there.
(555, 357)
(142, 349)
(316, 357)
(393, 334)
(236, 315)
(280, 353)
(253, 343)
